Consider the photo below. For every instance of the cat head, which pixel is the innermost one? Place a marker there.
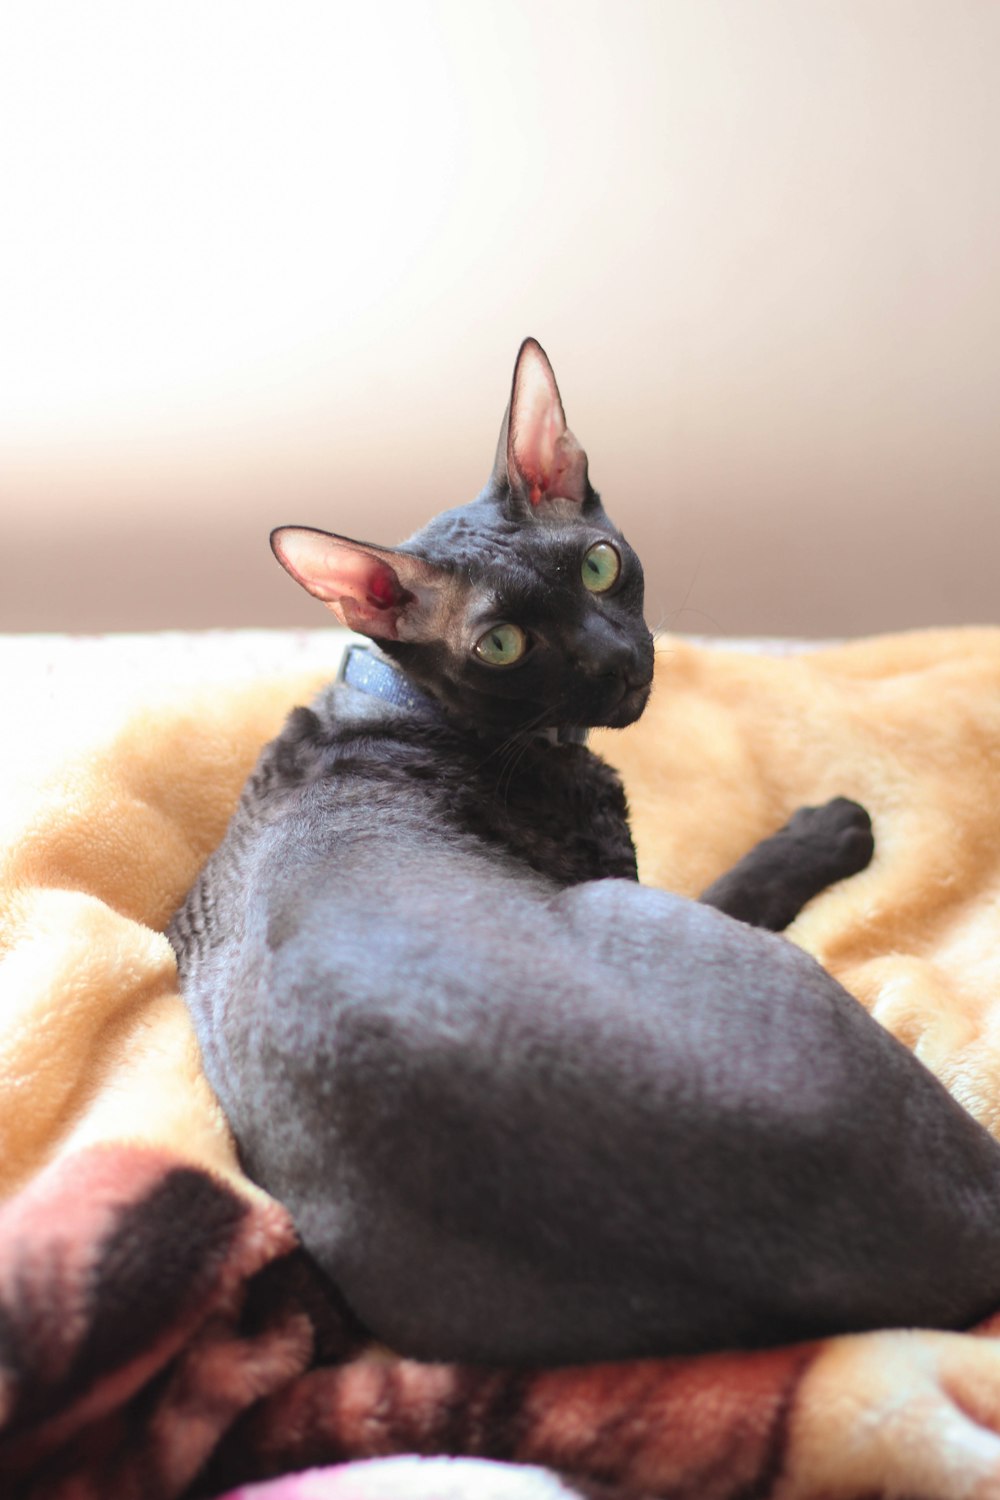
(521, 609)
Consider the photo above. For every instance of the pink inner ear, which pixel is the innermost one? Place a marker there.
(360, 587)
(542, 451)
(383, 587)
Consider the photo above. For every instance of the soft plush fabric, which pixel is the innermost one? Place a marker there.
(160, 1334)
(413, 1478)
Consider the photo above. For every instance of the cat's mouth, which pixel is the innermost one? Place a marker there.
(630, 705)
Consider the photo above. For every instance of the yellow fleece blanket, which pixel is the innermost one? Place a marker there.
(160, 1333)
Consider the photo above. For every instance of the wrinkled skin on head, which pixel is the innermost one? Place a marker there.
(515, 556)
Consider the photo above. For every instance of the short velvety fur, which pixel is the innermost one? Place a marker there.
(522, 1107)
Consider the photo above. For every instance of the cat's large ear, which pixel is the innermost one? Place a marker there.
(378, 591)
(537, 454)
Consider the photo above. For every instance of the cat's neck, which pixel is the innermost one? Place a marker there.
(365, 669)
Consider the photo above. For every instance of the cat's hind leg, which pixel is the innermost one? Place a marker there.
(817, 847)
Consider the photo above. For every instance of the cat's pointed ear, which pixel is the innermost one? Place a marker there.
(377, 591)
(537, 454)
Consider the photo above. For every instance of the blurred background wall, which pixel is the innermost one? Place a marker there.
(264, 263)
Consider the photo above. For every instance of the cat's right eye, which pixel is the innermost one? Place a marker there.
(502, 645)
(601, 567)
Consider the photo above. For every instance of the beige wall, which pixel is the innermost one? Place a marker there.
(267, 263)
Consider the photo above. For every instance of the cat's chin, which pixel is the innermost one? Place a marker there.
(629, 709)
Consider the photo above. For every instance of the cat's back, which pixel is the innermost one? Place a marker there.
(327, 795)
(359, 811)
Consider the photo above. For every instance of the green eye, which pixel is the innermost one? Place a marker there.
(600, 568)
(502, 646)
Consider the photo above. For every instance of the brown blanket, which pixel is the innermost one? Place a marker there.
(159, 1333)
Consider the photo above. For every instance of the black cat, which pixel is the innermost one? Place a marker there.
(523, 1108)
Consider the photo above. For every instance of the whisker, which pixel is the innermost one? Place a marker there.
(515, 747)
(519, 745)
(670, 617)
(528, 728)
(704, 614)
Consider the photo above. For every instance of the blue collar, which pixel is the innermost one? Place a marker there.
(369, 673)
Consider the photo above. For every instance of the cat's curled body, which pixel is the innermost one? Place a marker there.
(522, 1107)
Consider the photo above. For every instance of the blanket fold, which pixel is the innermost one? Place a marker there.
(161, 1335)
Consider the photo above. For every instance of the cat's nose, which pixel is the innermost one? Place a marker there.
(610, 654)
(624, 666)
(616, 658)
(622, 660)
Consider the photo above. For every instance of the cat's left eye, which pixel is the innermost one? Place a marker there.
(600, 568)
(502, 645)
